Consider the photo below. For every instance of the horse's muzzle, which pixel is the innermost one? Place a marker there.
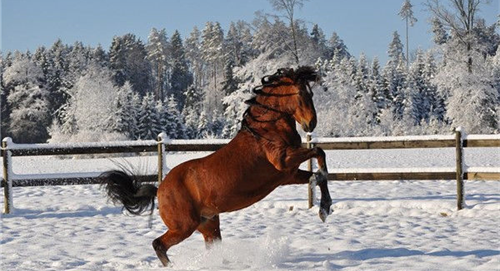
(308, 127)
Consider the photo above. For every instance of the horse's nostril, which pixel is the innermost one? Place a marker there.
(306, 127)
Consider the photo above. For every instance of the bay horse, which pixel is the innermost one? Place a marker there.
(266, 153)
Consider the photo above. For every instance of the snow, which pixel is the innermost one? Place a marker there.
(391, 225)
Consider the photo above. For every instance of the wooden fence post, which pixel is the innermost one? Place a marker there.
(460, 174)
(7, 181)
(310, 187)
(161, 156)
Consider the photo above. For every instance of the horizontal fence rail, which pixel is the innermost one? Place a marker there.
(162, 146)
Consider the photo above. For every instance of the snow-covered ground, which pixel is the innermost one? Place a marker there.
(387, 225)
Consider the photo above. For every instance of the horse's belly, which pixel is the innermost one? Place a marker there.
(239, 196)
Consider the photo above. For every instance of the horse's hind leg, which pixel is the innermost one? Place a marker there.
(169, 239)
(210, 228)
(181, 218)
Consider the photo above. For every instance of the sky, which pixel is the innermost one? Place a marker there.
(364, 25)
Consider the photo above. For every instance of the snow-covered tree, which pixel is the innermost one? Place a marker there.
(90, 113)
(338, 48)
(193, 56)
(127, 57)
(440, 35)
(180, 77)
(172, 122)
(27, 101)
(128, 108)
(157, 54)
(238, 43)
(149, 120)
(395, 51)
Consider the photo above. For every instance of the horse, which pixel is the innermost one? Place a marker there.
(264, 154)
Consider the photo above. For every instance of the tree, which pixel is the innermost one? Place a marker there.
(213, 54)
(191, 110)
(127, 114)
(174, 124)
(238, 43)
(180, 77)
(406, 14)
(193, 56)
(27, 101)
(212, 49)
(90, 112)
(395, 51)
(338, 48)
(376, 87)
(289, 7)
(149, 120)
(230, 83)
(157, 54)
(127, 57)
(440, 35)
(460, 19)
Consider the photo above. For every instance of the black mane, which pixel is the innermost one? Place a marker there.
(303, 75)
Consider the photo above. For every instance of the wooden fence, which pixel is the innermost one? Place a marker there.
(162, 146)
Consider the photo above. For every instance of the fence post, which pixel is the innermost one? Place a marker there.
(7, 181)
(161, 156)
(460, 174)
(310, 187)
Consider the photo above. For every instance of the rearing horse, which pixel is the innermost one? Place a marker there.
(265, 154)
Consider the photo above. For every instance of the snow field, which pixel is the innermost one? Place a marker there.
(375, 225)
(387, 225)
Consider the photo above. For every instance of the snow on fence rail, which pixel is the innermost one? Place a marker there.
(163, 145)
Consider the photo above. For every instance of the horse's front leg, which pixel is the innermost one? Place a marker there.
(321, 179)
(294, 157)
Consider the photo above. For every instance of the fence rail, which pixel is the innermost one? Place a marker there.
(161, 146)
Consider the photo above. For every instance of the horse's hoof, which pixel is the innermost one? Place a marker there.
(323, 214)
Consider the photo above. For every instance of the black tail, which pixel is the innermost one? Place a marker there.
(123, 189)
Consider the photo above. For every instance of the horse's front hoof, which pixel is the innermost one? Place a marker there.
(323, 214)
(325, 210)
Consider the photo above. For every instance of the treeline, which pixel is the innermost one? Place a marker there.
(195, 87)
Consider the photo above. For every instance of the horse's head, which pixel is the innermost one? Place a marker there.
(289, 91)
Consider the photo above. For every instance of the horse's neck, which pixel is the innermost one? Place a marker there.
(272, 126)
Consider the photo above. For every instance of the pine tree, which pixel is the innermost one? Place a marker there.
(180, 77)
(127, 114)
(174, 124)
(234, 46)
(376, 87)
(395, 51)
(338, 48)
(157, 54)
(440, 35)
(212, 50)
(128, 62)
(361, 76)
(99, 56)
(230, 83)
(193, 56)
(149, 120)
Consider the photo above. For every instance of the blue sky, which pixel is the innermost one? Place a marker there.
(364, 25)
